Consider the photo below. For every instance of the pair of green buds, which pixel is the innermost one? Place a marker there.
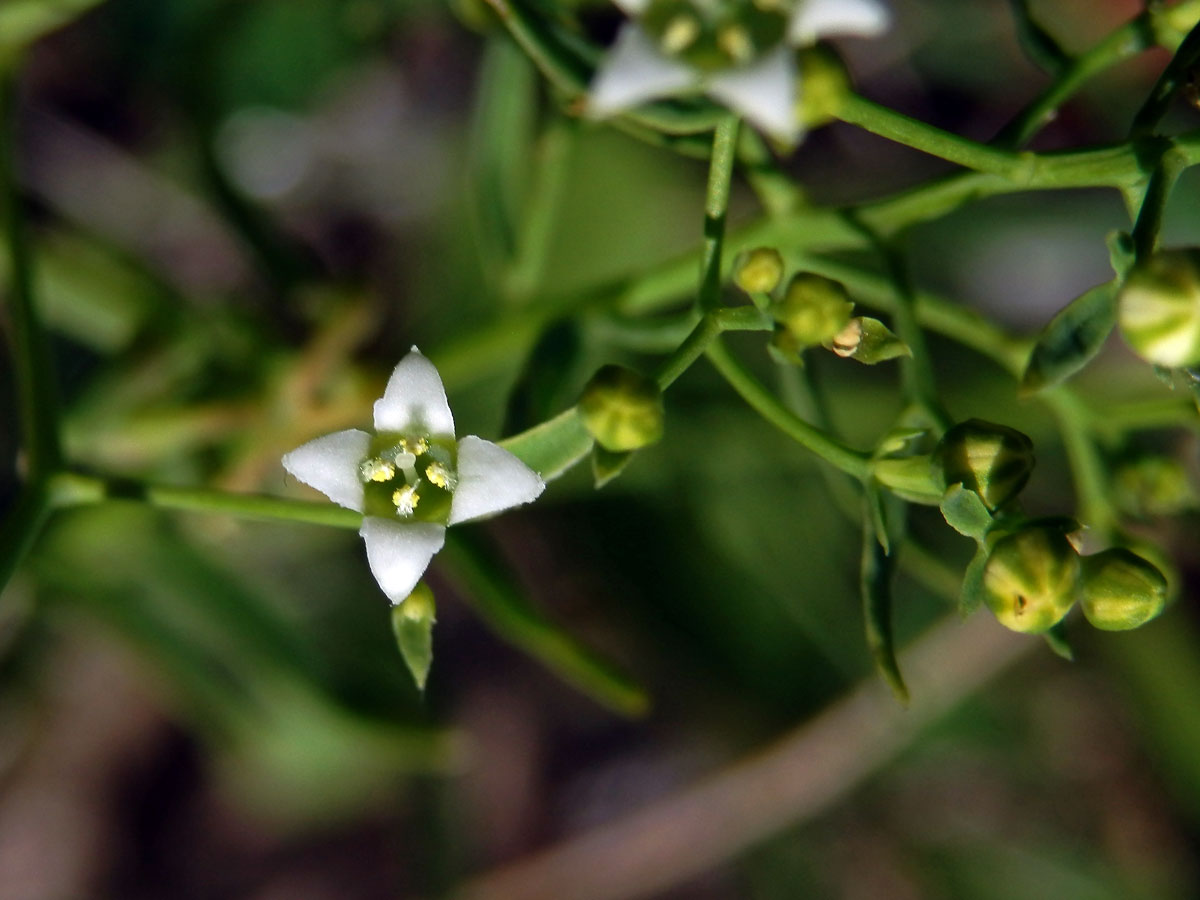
(814, 311)
(1033, 574)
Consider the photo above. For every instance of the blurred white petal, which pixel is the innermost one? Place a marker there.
(399, 552)
(633, 7)
(330, 464)
(415, 399)
(764, 92)
(815, 19)
(635, 71)
(490, 479)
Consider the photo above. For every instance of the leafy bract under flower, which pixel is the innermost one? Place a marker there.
(410, 478)
(737, 51)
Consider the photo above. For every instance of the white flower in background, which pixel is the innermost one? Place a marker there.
(739, 52)
(410, 478)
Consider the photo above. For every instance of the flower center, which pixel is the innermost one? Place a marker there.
(717, 34)
(409, 476)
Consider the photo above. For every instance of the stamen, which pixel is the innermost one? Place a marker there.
(681, 32)
(375, 469)
(440, 476)
(406, 500)
(415, 446)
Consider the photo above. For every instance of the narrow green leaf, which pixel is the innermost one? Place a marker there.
(965, 512)
(972, 587)
(607, 465)
(552, 447)
(1071, 338)
(412, 623)
(876, 586)
(1057, 640)
(502, 605)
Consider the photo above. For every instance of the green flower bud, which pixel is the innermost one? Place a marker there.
(1158, 308)
(1030, 578)
(813, 310)
(1121, 590)
(759, 271)
(622, 409)
(868, 341)
(992, 460)
(825, 84)
(1154, 486)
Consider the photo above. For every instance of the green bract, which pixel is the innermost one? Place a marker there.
(712, 36)
(1159, 308)
(622, 409)
(1030, 578)
(1120, 590)
(993, 460)
(868, 341)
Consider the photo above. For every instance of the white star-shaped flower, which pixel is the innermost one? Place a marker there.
(411, 478)
(750, 66)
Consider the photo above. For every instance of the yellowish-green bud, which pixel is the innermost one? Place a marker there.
(622, 409)
(759, 271)
(1030, 578)
(992, 460)
(813, 310)
(868, 341)
(1120, 590)
(1154, 486)
(1158, 308)
(824, 85)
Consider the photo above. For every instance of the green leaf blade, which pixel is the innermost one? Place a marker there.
(1072, 338)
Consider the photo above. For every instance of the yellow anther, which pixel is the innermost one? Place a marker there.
(406, 500)
(415, 446)
(440, 476)
(376, 469)
(735, 41)
(681, 32)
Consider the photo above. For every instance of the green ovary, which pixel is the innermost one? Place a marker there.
(410, 477)
(712, 35)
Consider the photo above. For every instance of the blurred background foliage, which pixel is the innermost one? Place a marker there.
(245, 212)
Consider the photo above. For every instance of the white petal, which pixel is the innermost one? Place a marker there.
(490, 479)
(633, 7)
(414, 399)
(763, 92)
(330, 464)
(635, 71)
(399, 552)
(815, 19)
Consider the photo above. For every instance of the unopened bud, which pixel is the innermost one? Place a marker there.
(812, 311)
(1121, 590)
(1154, 486)
(1159, 308)
(759, 271)
(824, 86)
(1030, 578)
(993, 460)
(622, 409)
(868, 341)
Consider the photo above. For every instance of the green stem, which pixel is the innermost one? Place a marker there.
(1087, 466)
(1146, 229)
(852, 462)
(37, 391)
(1174, 78)
(710, 326)
(21, 527)
(716, 203)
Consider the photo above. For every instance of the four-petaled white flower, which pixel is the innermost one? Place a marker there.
(737, 51)
(410, 479)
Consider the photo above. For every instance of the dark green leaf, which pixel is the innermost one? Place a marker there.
(24, 21)
(538, 390)
(1071, 338)
(502, 605)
